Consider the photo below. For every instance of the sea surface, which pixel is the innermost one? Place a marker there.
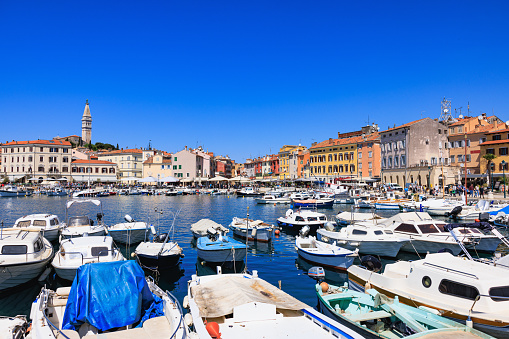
(277, 263)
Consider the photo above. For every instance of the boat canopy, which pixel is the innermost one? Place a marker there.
(76, 201)
(219, 297)
(107, 295)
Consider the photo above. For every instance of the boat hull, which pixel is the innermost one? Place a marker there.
(8, 194)
(158, 261)
(224, 255)
(128, 236)
(383, 248)
(17, 274)
(263, 235)
(318, 204)
(328, 260)
(78, 231)
(296, 226)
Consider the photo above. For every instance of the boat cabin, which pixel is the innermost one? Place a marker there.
(87, 249)
(37, 220)
(20, 245)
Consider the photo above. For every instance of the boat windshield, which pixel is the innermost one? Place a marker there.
(14, 249)
(428, 228)
(407, 228)
(39, 222)
(79, 221)
(24, 223)
(99, 251)
(440, 226)
(312, 218)
(323, 218)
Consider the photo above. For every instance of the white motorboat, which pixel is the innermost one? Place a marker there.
(77, 226)
(366, 239)
(273, 198)
(256, 230)
(301, 196)
(13, 327)
(441, 207)
(455, 287)
(24, 254)
(13, 191)
(47, 224)
(109, 300)
(75, 252)
(472, 212)
(200, 228)
(129, 232)
(295, 220)
(346, 218)
(249, 192)
(323, 254)
(245, 306)
(56, 192)
(427, 235)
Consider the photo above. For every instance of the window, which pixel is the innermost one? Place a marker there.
(458, 289)
(481, 140)
(384, 162)
(502, 151)
(433, 160)
(14, 249)
(370, 165)
(180, 166)
(360, 166)
(112, 170)
(403, 160)
(407, 228)
(428, 228)
(388, 147)
(468, 142)
(99, 251)
(452, 159)
(65, 169)
(65, 159)
(490, 151)
(174, 167)
(370, 154)
(381, 147)
(359, 232)
(360, 155)
(389, 162)
(502, 291)
(396, 162)
(41, 159)
(497, 137)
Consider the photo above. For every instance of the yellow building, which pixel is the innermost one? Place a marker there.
(287, 156)
(498, 145)
(334, 159)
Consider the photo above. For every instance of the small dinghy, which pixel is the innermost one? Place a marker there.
(129, 232)
(245, 306)
(322, 253)
(374, 315)
(107, 300)
(256, 230)
(217, 248)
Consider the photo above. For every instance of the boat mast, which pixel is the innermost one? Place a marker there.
(247, 238)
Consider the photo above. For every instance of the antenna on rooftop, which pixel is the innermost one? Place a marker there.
(445, 114)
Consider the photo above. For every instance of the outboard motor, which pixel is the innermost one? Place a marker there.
(455, 211)
(484, 217)
(160, 237)
(371, 263)
(128, 218)
(99, 217)
(329, 226)
(304, 231)
(212, 233)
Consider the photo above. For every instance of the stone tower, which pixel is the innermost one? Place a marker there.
(86, 125)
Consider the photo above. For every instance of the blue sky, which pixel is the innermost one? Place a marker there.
(244, 78)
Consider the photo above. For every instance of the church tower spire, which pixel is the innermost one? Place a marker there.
(86, 125)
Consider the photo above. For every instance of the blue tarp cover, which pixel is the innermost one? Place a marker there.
(107, 295)
(505, 210)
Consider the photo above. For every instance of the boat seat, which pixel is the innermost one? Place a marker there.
(55, 301)
(369, 316)
(63, 291)
(68, 333)
(157, 327)
(133, 333)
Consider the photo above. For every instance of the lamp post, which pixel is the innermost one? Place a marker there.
(429, 179)
(503, 173)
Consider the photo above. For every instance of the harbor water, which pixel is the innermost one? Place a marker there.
(276, 262)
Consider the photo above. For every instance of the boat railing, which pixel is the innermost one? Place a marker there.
(43, 308)
(447, 269)
(181, 318)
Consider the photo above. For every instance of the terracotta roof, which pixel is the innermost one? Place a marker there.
(499, 131)
(495, 142)
(345, 141)
(121, 151)
(39, 142)
(405, 125)
(461, 121)
(92, 162)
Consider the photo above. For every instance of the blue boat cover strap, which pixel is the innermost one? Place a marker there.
(107, 295)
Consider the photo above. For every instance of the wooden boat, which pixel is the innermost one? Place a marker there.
(323, 254)
(456, 287)
(107, 301)
(256, 230)
(245, 306)
(374, 315)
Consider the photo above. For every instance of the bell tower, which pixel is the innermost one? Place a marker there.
(86, 125)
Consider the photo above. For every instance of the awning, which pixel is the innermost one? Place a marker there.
(187, 180)
(169, 179)
(94, 178)
(148, 179)
(15, 176)
(130, 179)
(218, 178)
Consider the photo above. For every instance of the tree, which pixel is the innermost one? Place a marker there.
(489, 158)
